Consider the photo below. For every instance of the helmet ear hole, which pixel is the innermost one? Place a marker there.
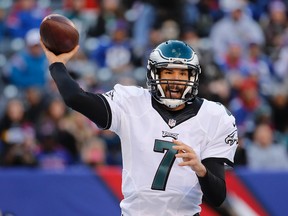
(195, 91)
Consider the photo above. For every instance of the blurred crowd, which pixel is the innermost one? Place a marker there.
(243, 51)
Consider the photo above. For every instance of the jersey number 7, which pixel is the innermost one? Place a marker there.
(164, 168)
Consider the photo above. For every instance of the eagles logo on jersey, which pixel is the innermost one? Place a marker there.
(232, 138)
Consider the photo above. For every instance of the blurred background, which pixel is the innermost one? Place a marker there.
(243, 51)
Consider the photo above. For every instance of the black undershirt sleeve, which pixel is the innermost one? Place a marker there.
(213, 183)
(93, 106)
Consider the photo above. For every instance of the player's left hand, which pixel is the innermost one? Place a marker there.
(189, 158)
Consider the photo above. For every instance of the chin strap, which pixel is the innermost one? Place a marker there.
(172, 103)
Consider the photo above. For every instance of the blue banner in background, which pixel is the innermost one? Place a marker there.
(75, 191)
(270, 188)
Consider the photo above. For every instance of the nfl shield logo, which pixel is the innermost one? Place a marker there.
(172, 122)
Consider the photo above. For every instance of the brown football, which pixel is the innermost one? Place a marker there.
(58, 33)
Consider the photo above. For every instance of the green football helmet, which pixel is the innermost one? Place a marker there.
(173, 54)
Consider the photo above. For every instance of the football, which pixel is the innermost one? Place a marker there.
(58, 33)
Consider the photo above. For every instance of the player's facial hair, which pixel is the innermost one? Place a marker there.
(172, 86)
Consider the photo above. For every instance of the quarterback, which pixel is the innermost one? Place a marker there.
(175, 145)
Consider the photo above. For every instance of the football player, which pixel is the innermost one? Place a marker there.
(175, 145)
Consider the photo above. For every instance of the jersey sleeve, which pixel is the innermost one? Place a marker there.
(124, 101)
(223, 137)
(115, 99)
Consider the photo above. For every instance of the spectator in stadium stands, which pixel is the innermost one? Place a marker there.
(82, 16)
(281, 63)
(263, 153)
(114, 55)
(82, 128)
(84, 71)
(249, 107)
(151, 15)
(279, 105)
(52, 154)
(144, 16)
(57, 145)
(233, 67)
(17, 136)
(241, 28)
(218, 90)
(109, 12)
(28, 67)
(93, 152)
(274, 24)
(2, 23)
(24, 16)
(34, 103)
(113, 146)
(103, 54)
(201, 15)
(260, 67)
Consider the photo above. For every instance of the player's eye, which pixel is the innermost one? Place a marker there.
(183, 73)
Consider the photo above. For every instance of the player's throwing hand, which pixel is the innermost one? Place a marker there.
(63, 58)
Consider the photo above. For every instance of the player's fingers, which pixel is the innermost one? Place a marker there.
(183, 155)
(65, 57)
(181, 144)
(76, 48)
(72, 52)
(43, 46)
(181, 147)
(177, 147)
(50, 55)
(177, 142)
(184, 163)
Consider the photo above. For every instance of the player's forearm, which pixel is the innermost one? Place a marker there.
(67, 87)
(213, 188)
(93, 106)
(213, 183)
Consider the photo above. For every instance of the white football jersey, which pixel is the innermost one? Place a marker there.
(152, 181)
